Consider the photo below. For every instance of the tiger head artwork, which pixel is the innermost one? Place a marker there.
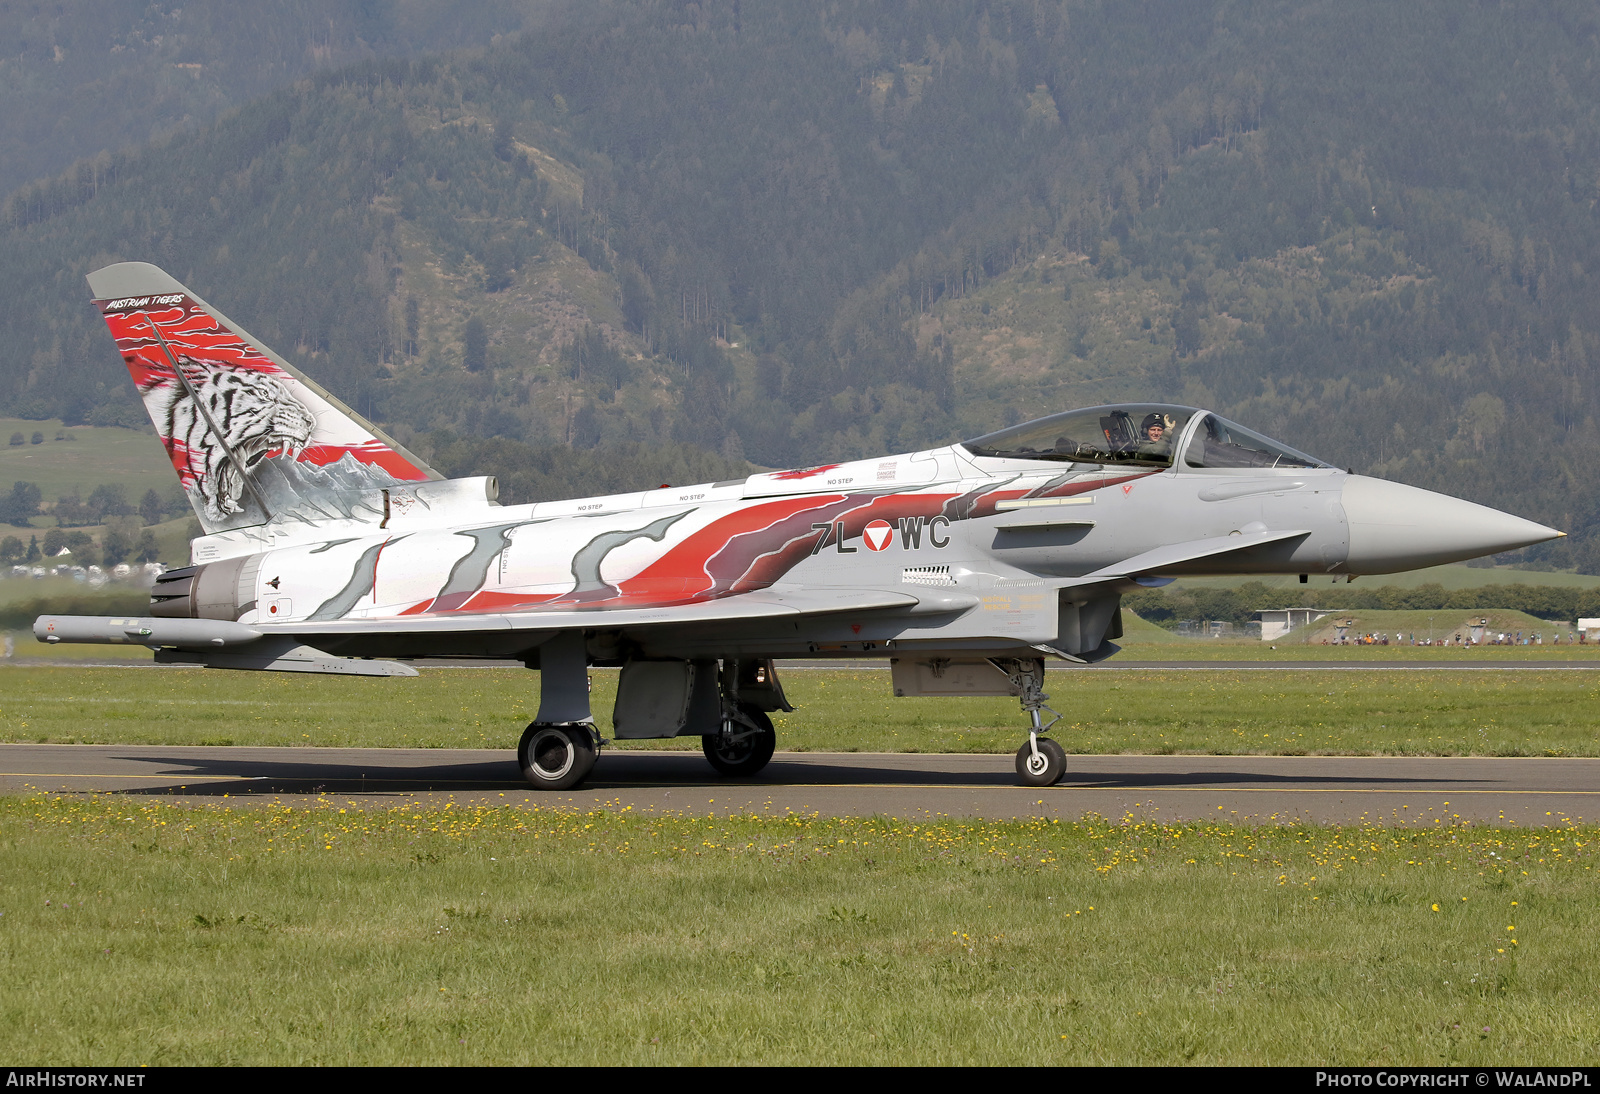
(235, 419)
(227, 408)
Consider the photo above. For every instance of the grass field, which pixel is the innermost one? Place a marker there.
(95, 455)
(22, 600)
(1457, 575)
(1143, 641)
(137, 932)
(1290, 712)
(1440, 624)
(1253, 650)
(19, 590)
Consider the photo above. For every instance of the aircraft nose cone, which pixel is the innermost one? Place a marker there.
(1395, 527)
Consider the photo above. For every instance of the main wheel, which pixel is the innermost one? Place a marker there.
(556, 757)
(749, 753)
(1044, 769)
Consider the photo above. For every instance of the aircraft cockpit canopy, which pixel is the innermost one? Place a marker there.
(1218, 442)
(1139, 435)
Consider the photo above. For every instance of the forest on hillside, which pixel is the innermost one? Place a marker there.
(80, 79)
(790, 233)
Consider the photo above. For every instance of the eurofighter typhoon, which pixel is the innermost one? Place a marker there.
(330, 548)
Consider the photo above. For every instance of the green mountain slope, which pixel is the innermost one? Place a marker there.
(808, 231)
(81, 81)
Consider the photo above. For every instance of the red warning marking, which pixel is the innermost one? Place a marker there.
(803, 472)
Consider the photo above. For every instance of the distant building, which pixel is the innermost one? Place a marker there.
(1589, 627)
(1277, 622)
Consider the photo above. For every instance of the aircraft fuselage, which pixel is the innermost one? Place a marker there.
(980, 551)
(328, 544)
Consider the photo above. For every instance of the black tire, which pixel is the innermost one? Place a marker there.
(747, 756)
(1045, 769)
(556, 757)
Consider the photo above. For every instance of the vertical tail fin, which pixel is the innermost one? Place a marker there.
(251, 438)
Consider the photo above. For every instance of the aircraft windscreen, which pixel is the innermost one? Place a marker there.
(1220, 443)
(1138, 434)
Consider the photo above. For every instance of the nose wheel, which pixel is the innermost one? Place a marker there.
(1041, 762)
(557, 757)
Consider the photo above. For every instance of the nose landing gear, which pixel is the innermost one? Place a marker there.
(1040, 762)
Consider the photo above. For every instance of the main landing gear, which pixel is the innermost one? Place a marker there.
(560, 747)
(1040, 762)
(558, 757)
(743, 745)
(724, 703)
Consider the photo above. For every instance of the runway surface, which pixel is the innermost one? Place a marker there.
(1398, 790)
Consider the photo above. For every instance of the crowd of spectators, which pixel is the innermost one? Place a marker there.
(1459, 638)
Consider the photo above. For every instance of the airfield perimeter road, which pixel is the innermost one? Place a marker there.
(1334, 789)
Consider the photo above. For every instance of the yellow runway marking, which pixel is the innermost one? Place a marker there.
(752, 787)
(264, 778)
(54, 775)
(1310, 790)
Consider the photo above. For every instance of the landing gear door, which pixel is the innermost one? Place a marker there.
(947, 676)
(759, 686)
(652, 699)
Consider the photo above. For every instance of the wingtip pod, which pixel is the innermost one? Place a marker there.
(250, 437)
(142, 631)
(215, 643)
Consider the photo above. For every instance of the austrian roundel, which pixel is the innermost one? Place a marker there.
(877, 535)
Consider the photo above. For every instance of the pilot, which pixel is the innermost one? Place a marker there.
(1155, 437)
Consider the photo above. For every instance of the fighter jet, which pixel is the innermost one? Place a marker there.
(330, 548)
